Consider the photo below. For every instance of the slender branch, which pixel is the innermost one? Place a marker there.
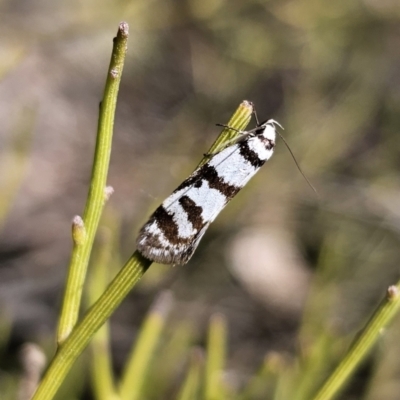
(97, 193)
(362, 345)
(81, 335)
(117, 290)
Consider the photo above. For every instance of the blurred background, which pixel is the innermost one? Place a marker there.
(284, 266)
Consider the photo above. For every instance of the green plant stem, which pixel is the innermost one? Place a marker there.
(263, 383)
(95, 317)
(191, 384)
(96, 197)
(362, 345)
(101, 365)
(73, 346)
(239, 120)
(215, 361)
(138, 362)
(101, 362)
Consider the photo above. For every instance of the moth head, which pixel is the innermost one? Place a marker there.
(268, 129)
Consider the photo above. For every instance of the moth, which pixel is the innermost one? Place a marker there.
(174, 230)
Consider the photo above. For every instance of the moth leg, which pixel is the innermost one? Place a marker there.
(256, 116)
(230, 127)
(237, 139)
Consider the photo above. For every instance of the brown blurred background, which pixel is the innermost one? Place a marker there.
(328, 71)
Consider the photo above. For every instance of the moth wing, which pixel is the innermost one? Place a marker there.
(153, 244)
(185, 256)
(175, 229)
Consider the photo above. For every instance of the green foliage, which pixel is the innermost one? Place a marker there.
(329, 111)
(73, 339)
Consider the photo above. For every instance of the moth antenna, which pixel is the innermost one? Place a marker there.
(272, 121)
(297, 164)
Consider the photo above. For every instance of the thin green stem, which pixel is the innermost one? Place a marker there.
(263, 383)
(191, 384)
(95, 317)
(138, 362)
(96, 197)
(239, 121)
(215, 362)
(101, 362)
(79, 338)
(362, 345)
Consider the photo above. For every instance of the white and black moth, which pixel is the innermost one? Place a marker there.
(173, 232)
